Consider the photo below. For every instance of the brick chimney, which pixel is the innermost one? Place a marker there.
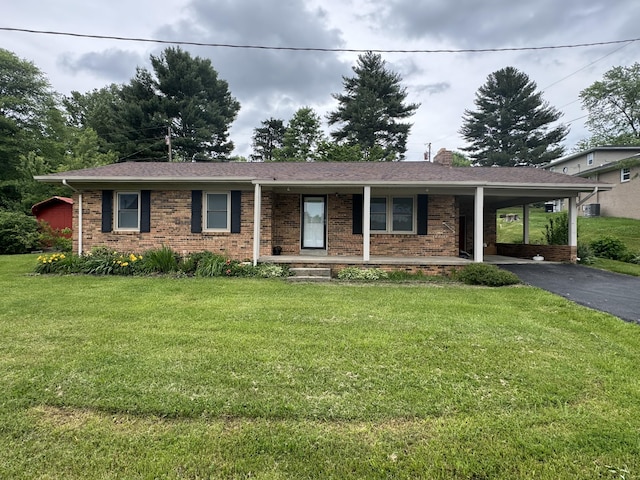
(444, 157)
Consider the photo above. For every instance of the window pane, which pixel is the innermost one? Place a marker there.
(128, 219)
(378, 214)
(127, 214)
(216, 216)
(402, 214)
(217, 220)
(217, 201)
(128, 201)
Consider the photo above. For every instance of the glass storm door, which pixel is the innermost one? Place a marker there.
(314, 213)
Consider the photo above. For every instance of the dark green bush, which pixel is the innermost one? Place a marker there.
(18, 233)
(484, 274)
(610, 247)
(53, 238)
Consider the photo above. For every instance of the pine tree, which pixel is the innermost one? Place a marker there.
(267, 139)
(512, 123)
(370, 111)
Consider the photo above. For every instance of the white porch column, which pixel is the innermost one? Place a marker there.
(478, 226)
(525, 224)
(80, 246)
(257, 209)
(573, 222)
(366, 224)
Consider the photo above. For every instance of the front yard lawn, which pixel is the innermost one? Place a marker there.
(130, 377)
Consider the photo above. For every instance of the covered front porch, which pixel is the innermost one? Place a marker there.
(459, 228)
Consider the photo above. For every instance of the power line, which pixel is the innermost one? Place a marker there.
(315, 49)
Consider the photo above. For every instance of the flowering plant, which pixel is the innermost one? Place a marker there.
(53, 263)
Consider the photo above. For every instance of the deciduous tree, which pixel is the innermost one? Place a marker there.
(302, 137)
(613, 104)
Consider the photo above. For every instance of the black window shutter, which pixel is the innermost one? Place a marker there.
(422, 214)
(236, 210)
(145, 214)
(357, 214)
(196, 211)
(107, 211)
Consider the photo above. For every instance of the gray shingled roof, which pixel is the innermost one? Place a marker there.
(321, 172)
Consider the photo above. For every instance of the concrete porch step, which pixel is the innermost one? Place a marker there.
(310, 275)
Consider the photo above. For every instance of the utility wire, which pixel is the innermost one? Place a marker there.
(315, 49)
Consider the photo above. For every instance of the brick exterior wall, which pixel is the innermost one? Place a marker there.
(280, 225)
(171, 226)
(551, 253)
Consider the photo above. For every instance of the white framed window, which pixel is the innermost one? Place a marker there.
(127, 211)
(217, 211)
(393, 214)
(590, 158)
(625, 174)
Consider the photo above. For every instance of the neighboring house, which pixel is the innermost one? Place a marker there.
(413, 215)
(618, 166)
(56, 211)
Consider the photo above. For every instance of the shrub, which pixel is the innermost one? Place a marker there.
(190, 263)
(355, 273)
(484, 274)
(267, 270)
(213, 266)
(557, 230)
(610, 247)
(54, 238)
(161, 260)
(585, 254)
(18, 233)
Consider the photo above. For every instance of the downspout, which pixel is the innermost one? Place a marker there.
(64, 182)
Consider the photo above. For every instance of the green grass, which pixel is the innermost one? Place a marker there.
(589, 228)
(125, 377)
(616, 266)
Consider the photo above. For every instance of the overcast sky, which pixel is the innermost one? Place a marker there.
(276, 83)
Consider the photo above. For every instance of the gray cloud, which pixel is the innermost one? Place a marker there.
(306, 77)
(113, 64)
(496, 23)
(432, 88)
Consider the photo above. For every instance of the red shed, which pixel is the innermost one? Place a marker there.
(56, 211)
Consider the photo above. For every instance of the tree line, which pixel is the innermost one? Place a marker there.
(182, 103)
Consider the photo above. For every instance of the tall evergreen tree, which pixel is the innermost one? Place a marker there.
(267, 139)
(198, 104)
(371, 109)
(512, 123)
(182, 93)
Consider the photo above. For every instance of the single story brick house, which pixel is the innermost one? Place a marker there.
(412, 215)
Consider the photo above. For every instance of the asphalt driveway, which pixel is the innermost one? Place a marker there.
(608, 292)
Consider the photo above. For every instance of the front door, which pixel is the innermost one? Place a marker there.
(314, 214)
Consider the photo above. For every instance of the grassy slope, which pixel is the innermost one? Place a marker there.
(237, 378)
(589, 228)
